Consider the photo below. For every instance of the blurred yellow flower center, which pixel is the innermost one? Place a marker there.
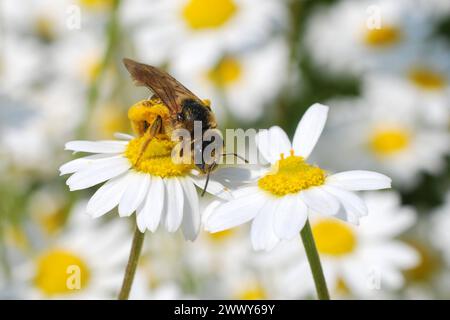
(333, 237)
(156, 159)
(208, 14)
(383, 37)
(90, 68)
(291, 175)
(427, 79)
(252, 291)
(219, 237)
(389, 141)
(45, 28)
(226, 72)
(53, 221)
(61, 272)
(96, 4)
(108, 120)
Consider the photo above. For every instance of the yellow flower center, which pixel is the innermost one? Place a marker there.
(226, 72)
(386, 142)
(384, 37)
(253, 291)
(427, 79)
(61, 272)
(208, 14)
(291, 175)
(156, 159)
(333, 237)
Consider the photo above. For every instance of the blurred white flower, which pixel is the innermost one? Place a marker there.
(168, 27)
(241, 82)
(361, 261)
(424, 76)
(353, 36)
(85, 262)
(382, 130)
(439, 236)
(279, 203)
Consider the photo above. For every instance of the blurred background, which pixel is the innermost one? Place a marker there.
(383, 67)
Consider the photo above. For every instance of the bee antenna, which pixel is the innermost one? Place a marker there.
(207, 179)
(236, 155)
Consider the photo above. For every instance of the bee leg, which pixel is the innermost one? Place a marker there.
(151, 132)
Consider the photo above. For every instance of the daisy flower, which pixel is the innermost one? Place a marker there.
(355, 36)
(203, 26)
(84, 262)
(159, 190)
(361, 261)
(282, 198)
(237, 79)
(384, 130)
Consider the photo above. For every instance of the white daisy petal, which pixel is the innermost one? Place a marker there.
(320, 201)
(175, 204)
(279, 143)
(150, 211)
(353, 205)
(359, 180)
(214, 187)
(135, 193)
(271, 143)
(262, 233)
(290, 217)
(82, 163)
(106, 146)
(98, 172)
(107, 196)
(309, 129)
(237, 211)
(191, 216)
(123, 136)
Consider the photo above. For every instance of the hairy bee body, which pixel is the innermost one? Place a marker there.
(172, 107)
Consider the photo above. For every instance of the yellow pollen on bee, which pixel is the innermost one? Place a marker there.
(144, 113)
(427, 79)
(156, 159)
(207, 14)
(334, 237)
(291, 175)
(53, 270)
(389, 141)
(384, 37)
(226, 72)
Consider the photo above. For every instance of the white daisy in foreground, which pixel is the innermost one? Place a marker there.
(360, 261)
(86, 262)
(282, 198)
(159, 190)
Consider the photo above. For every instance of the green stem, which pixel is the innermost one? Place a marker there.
(130, 271)
(314, 262)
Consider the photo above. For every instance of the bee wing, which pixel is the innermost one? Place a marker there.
(162, 84)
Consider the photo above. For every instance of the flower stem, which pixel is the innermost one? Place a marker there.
(314, 262)
(130, 271)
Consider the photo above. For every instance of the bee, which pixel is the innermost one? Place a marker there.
(184, 110)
